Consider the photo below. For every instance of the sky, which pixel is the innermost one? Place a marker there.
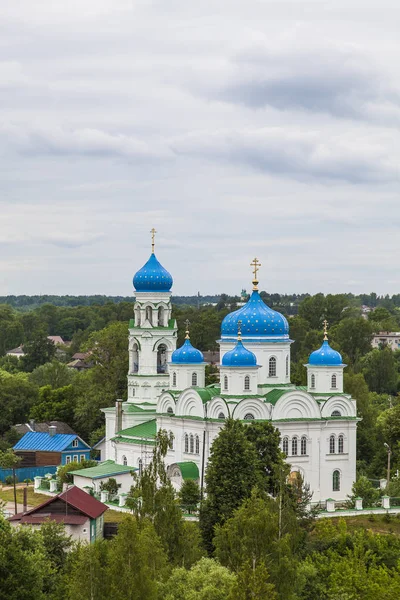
(236, 129)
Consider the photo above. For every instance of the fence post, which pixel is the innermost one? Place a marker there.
(359, 503)
(386, 501)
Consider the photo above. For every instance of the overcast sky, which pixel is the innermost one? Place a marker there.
(235, 128)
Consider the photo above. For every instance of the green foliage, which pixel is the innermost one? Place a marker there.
(38, 351)
(271, 466)
(252, 583)
(111, 486)
(232, 472)
(17, 396)
(63, 473)
(354, 337)
(380, 370)
(55, 404)
(363, 488)
(189, 495)
(206, 580)
(53, 374)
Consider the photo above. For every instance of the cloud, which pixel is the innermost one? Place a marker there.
(293, 73)
(87, 141)
(301, 155)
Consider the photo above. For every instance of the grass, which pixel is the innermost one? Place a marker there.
(33, 498)
(113, 516)
(375, 523)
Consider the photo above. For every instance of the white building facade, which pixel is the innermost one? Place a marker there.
(166, 390)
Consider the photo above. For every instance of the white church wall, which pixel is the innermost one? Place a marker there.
(319, 379)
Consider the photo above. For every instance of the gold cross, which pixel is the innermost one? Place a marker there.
(239, 331)
(256, 265)
(187, 323)
(325, 324)
(153, 232)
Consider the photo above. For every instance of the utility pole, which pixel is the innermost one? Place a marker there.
(389, 452)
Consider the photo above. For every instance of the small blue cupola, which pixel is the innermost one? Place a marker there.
(325, 356)
(325, 368)
(239, 356)
(152, 277)
(187, 354)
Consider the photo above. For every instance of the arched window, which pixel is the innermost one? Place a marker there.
(336, 413)
(285, 446)
(140, 466)
(174, 379)
(247, 382)
(197, 444)
(191, 444)
(149, 314)
(294, 446)
(186, 442)
(287, 366)
(170, 440)
(137, 317)
(333, 382)
(135, 358)
(272, 367)
(332, 444)
(340, 444)
(194, 378)
(133, 391)
(161, 316)
(162, 358)
(303, 446)
(248, 417)
(225, 382)
(221, 415)
(336, 481)
(124, 461)
(312, 381)
(170, 410)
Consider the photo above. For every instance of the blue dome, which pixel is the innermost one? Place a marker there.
(239, 357)
(152, 277)
(187, 354)
(325, 356)
(258, 320)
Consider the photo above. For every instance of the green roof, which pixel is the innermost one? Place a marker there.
(189, 470)
(139, 442)
(144, 430)
(207, 393)
(273, 396)
(107, 468)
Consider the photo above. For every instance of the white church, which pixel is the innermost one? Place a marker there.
(166, 390)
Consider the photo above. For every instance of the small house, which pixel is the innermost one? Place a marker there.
(93, 477)
(81, 514)
(44, 449)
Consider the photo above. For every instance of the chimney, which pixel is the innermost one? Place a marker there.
(32, 424)
(52, 430)
(118, 416)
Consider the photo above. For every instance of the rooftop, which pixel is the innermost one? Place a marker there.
(108, 468)
(34, 440)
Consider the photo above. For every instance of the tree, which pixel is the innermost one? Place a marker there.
(363, 488)
(272, 468)
(265, 531)
(37, 352)
(24, 565)
(252, 583)
(63, 473)
(206, 580)
(380, 370)
(17, 395)
(86, 574)
(313, 310)
(9, 460)
(152, 497)
(55, 404)
(54, 374)
(111, 486)
(232, 472)
(354, 337)
(189, 495)
(136, 561)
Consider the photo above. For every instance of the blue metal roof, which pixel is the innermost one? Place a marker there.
(152, 277)
(34, 440)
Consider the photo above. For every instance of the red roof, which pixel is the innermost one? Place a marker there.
(75, 497)
(66, 519)
(84, 502)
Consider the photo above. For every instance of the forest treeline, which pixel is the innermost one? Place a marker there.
(42, 387)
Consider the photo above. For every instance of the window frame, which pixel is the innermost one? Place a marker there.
(285, 445)
(82, 457)
(272, 364)
(332, 444)
(194, 379)
(295, 446)
(197, 444)
(312, 381)
(246, 385)
(68, 459)
(341, 444)
(186, 443)
(191, 444)
(75, 443)
(124, 461)
(174, 379)
(334, 382)
(303, 445)
(226, 383)
(336, 480)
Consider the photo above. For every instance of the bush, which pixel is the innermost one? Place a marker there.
(9, 480)
(45, 485)
(364, 489)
